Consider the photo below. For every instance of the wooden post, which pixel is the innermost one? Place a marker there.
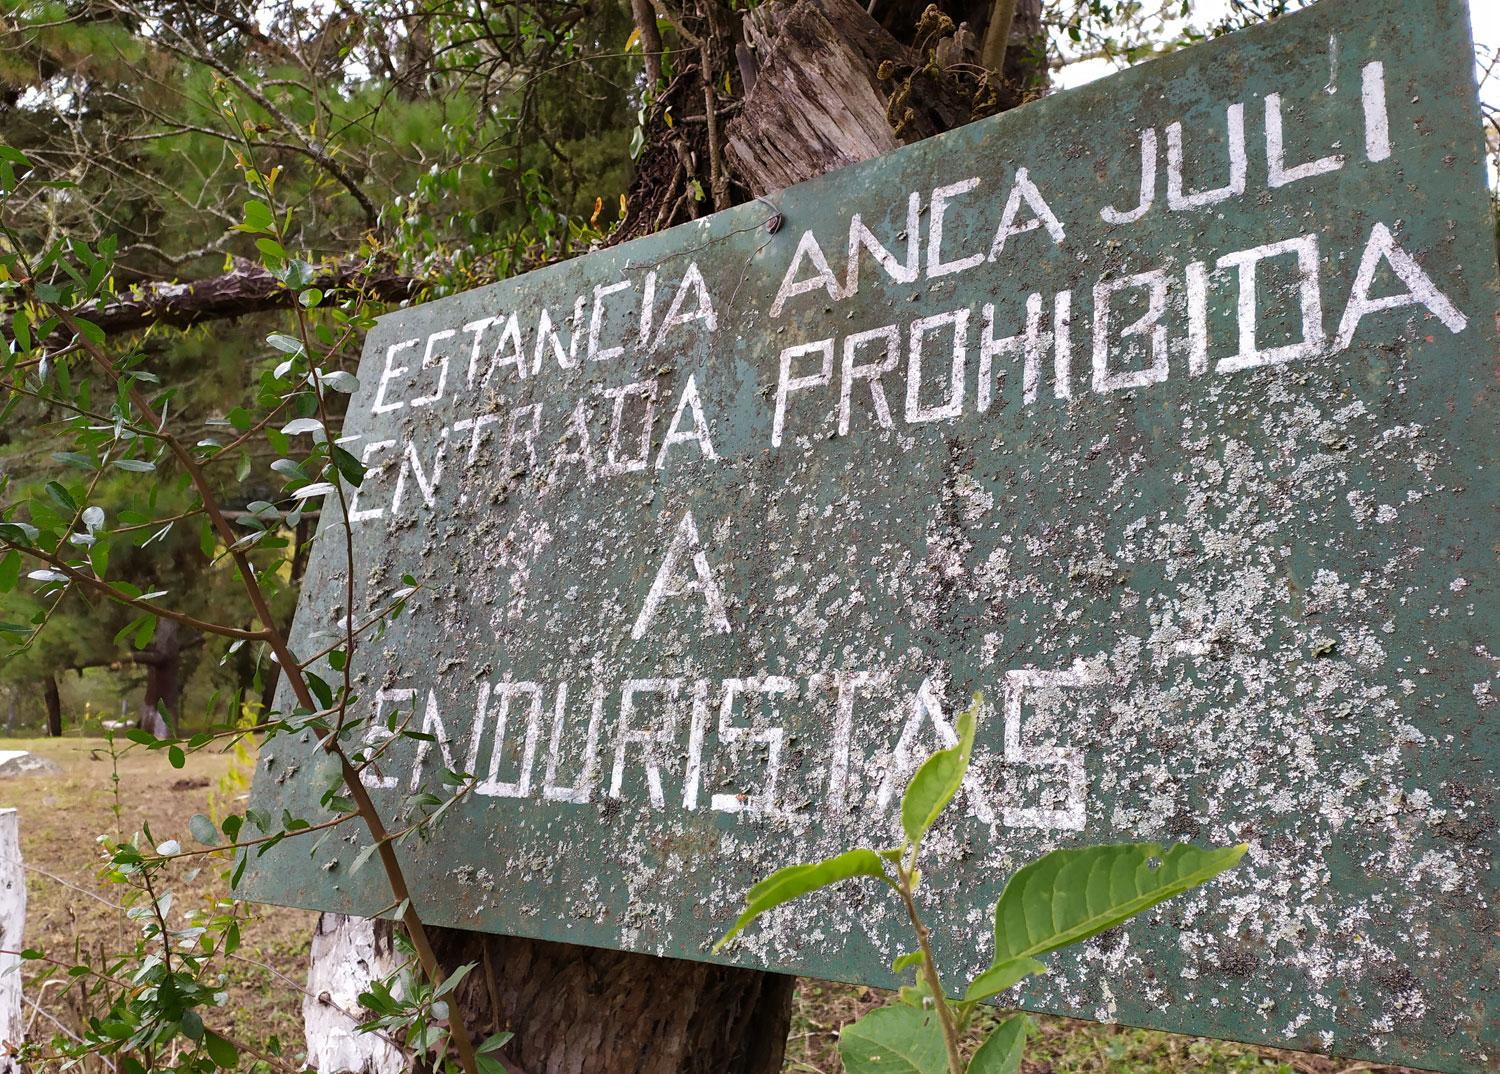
(347, 954)
(12, 928)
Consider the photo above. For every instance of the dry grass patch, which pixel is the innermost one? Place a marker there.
(69, 907)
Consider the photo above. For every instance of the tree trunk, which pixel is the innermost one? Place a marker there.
(816, 104)
(54, 705)
(580, 1010)
(163, 680)
(823, 85)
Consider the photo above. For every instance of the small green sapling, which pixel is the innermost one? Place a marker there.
(1058, 900)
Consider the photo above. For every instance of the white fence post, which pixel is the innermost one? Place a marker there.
(347, 954)
(12, 929)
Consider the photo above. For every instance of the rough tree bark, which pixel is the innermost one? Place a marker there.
(53, 701)
(580, 1010)
(816, 84)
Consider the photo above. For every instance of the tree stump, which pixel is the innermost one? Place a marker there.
(347, 954)
(12, 929)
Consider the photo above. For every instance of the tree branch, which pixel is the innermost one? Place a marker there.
(247, 289)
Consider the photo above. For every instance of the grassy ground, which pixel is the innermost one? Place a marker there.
(63, 813)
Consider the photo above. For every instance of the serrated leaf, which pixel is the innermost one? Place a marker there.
(1002, 1050)
(797, 880)
(1069, 895)
(938, 779)
(894, 1040)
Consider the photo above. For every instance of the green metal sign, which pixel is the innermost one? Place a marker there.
(1160, 411)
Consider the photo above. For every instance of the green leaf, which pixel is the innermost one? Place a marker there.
(906, 961)
(144, 625)
(203, 830)
(939, 778)
(61, 496)
(73, 458)
(495, 1041)
(894, 1040)
(136, 466)
(454, 979)
(796, 880)
(350, 468)
(1069, 895)
(257, 217)
(1001, 1051)
(90, 331)
(21, 326)
(223, 1053)
(10, 571)
(362, 857)
(341, 381)
(999, 977)
(283, 342)
(176, 756)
